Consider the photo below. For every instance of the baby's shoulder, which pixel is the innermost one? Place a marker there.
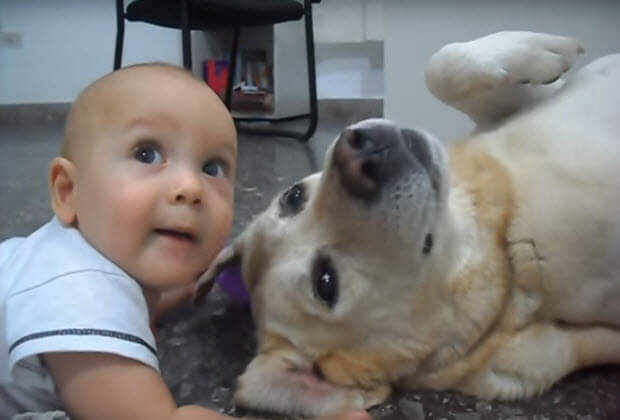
(48, 255)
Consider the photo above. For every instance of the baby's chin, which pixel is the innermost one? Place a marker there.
(161, 279)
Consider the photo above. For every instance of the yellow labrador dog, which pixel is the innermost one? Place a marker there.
(491, 266)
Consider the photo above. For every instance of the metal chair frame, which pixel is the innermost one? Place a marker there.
(312, 116)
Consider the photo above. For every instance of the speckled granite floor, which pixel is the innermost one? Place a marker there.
(202, 350)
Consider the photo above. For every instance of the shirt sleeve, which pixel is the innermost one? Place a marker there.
(86, 311)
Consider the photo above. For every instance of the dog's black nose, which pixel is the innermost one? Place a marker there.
(366, 158)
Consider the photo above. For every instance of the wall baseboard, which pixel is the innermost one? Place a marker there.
(349, 110)
(330, 110)
(19, 115)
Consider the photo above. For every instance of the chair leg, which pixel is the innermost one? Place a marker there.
(313, 112)
(311, 70)
(187, 46)
(232, 68)
(120, 33)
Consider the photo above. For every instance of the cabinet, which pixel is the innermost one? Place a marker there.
(284, 45)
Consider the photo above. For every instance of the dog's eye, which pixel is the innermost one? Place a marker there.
(294, 197)
(292, 200)
(325, 282)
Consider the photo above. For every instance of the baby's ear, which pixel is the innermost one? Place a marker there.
(62, 188)
(229, 256)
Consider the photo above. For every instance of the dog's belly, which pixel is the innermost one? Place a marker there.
(564, 162)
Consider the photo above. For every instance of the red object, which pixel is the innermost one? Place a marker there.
(215, 73)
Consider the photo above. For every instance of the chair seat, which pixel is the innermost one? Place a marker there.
(215, 13)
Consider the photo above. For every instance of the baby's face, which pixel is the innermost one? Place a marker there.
(154, 193)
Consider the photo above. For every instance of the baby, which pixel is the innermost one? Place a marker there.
(143, 201)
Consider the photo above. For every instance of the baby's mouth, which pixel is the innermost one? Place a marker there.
(177, 235)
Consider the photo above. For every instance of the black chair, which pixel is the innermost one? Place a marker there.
(190, 15)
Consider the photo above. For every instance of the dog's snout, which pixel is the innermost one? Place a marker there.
(363, 157)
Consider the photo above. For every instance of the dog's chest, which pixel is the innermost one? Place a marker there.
(564, 233)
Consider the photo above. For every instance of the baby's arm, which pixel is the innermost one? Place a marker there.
(106, 386)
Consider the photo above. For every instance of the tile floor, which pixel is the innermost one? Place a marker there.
(203, 349)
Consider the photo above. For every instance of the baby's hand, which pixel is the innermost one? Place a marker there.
(170, 299)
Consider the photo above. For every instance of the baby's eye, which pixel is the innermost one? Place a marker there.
(214, 168)
(148, 154)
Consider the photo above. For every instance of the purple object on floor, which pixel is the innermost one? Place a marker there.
(231, 282)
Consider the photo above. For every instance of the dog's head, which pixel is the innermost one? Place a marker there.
(334, 263)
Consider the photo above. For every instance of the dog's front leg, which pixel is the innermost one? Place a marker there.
(493, 77)
(281, 382)
(529, 361)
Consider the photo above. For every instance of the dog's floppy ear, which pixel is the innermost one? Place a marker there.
(229, 256)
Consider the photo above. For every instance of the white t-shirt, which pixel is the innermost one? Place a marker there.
(57, 293)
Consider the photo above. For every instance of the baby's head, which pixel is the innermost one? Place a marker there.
(147, 173)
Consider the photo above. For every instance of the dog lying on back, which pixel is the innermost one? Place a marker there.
(491, 266)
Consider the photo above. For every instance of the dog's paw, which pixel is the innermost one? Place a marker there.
(375, 396)
(529, 57)
(280, 382)
(297, 395)
(499, 59)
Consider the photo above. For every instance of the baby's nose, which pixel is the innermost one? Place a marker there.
(187, 189)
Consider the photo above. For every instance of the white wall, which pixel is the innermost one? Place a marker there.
(350, 70)
(416, 29)
(349, 36)
(68, 43)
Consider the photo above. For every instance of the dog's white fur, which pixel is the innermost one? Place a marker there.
(522, 283)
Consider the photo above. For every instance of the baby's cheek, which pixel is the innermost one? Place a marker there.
(220, 226)
(130, 222)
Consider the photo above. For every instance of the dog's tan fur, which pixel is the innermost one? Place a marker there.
(521, 288)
